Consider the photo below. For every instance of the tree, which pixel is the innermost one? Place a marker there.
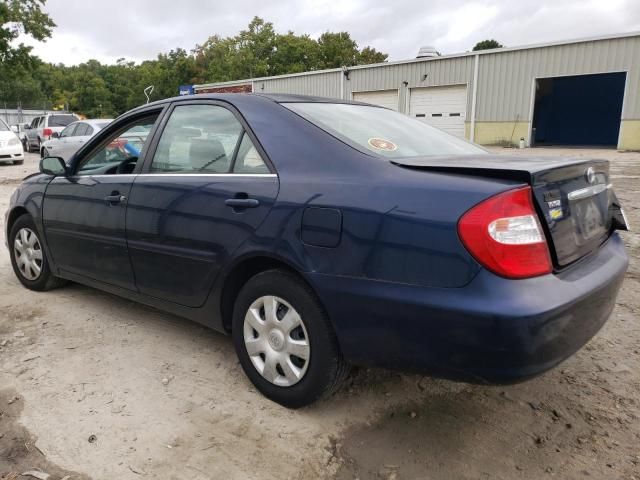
(21, 17)
(370, 55)
(96, 89)
(260, 51)
(294, 54)
(487, 45)
(337, 50)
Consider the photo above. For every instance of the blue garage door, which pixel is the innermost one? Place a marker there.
(579, 110)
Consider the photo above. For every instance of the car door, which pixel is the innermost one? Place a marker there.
(188, 211)
(76, 140)
(32, 133)
(57, 147)
(83, 136)
(84, 212)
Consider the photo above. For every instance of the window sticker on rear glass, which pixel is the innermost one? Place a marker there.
(381, 144)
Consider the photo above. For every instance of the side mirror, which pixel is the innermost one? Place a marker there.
(27, 127)
(55, 135)
(53, 166)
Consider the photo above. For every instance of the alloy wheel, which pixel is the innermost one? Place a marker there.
(276, 340)
(28, 253)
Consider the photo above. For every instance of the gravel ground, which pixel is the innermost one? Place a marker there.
(94, 386)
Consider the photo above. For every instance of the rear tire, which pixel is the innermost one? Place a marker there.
(298, 320)
(18, 162)
(28, 259)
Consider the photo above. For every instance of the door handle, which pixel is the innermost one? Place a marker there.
(115, 198)
(241, 203)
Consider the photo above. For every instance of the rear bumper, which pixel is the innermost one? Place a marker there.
(493, 330)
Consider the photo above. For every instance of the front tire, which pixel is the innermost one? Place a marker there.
(28, 258)
(284, 340)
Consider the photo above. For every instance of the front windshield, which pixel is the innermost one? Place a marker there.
(3, 126)
(381, 131)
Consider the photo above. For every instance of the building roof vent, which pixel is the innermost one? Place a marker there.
(427, 52)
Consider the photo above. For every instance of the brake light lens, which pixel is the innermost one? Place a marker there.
(47, 132)
(504, 235)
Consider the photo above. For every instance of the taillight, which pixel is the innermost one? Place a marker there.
(504, 235)
(47, 132)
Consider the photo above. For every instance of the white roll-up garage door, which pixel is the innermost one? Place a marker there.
(442, 107)
(384, 98)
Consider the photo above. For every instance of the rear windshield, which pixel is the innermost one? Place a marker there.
(381, 131)
(61, 120)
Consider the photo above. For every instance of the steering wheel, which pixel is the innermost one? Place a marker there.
(125, 165)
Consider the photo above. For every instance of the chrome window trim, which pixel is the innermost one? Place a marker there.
(245, 175)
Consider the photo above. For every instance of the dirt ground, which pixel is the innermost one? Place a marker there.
(96, 387)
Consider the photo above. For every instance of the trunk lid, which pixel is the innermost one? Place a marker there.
(573, 196)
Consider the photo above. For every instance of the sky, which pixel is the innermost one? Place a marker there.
(140, 29)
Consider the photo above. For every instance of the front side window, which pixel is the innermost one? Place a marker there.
(119, 153)
(382, 132)
(197, 139)
(3, 126)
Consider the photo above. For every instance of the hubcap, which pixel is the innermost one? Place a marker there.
(28, 253)
(276, 340)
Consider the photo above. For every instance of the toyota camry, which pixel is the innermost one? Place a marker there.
(321, 234)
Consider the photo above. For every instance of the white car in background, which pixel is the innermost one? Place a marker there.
(44, 126)
(74, 136)
(10, 145)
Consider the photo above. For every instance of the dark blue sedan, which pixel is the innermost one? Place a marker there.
(322, 234)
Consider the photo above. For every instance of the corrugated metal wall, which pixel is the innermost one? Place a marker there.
(505, 80)
(446, 71)
(320, 84)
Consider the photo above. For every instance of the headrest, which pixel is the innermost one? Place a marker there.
(207, 153)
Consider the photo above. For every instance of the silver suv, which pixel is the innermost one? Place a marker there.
(43, 127)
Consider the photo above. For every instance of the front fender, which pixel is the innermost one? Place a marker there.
(29, 198)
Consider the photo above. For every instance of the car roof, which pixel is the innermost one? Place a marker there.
(249, 97)
(94, 121)
(240, 100)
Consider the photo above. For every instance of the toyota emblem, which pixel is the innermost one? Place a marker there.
(590, 175)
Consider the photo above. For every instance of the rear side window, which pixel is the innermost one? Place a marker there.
(197, 139)
(61, 120)
(81, 130)
(248, 160)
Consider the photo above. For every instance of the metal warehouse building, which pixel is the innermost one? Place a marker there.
(575, 92)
